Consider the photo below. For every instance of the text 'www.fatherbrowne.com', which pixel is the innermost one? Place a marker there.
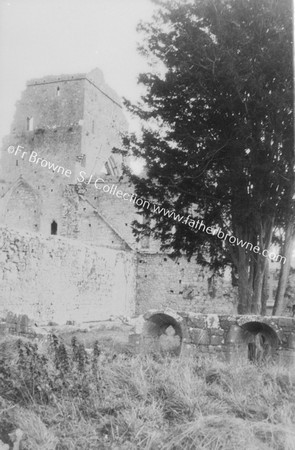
(199, 225)
(100, 184)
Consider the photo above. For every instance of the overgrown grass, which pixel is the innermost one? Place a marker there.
(70, 398)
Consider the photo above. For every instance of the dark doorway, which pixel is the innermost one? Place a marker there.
(162, 333)
(53, 227)
(262, 341)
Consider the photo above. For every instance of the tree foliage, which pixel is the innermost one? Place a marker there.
(217, 136)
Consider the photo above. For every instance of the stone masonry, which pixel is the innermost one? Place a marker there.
(230, 337)
(67, 250)
(57, 279)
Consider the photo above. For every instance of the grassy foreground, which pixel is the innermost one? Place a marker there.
(69, 398)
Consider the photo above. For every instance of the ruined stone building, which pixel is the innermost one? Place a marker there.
(67, 251)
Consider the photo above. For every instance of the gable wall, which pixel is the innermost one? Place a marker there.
(181, 285)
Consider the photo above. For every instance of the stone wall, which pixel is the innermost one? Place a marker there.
(119, 212)
(103, 123)
(56, 133)
(231, 337)
(76, 122)
(94, 229)
(59, 279)
(21, 205)
(162, 283)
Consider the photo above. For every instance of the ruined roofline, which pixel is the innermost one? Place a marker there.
(130, 247)
(55, 79)
(51, 79)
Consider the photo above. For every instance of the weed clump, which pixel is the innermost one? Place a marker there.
(72, 397)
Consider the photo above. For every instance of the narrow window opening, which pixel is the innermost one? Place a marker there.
(53, 227)
(113, 166)
(30, 123)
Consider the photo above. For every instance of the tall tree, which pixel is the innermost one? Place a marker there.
(217, 135)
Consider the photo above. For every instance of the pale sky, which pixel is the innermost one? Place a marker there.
(51, 37)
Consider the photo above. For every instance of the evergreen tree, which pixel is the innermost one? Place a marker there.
(217, 136)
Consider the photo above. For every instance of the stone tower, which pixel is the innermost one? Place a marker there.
(71, 121)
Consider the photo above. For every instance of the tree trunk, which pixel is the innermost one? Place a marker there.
(265, 238)
(257, 289)
(244, 294)
(251, 269)
(257, 299)
(244, 288)
(265, 289)
(279, 305)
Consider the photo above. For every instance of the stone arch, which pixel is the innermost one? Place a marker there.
(22, 207)
(163, 332)
(261, 339)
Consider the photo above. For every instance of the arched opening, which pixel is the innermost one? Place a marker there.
(53, 227)
(261, 340)
(162, 333)
(21, 207)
